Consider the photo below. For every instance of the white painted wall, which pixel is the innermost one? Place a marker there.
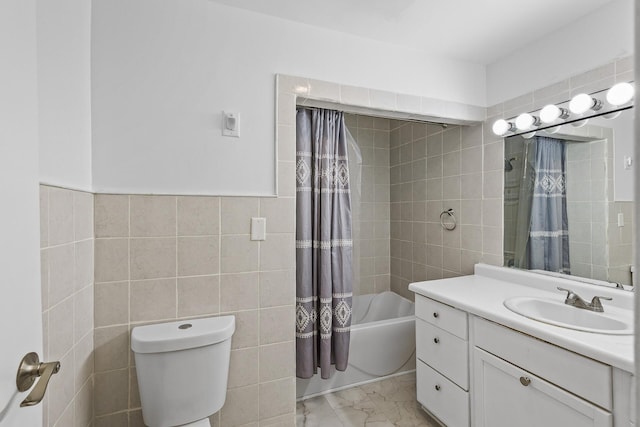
(163, 70)
(20, 305)
(594, 40)
(64, 90)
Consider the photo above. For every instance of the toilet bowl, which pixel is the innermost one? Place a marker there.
(182, 369)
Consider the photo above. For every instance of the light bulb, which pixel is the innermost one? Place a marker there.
(620, 94)
(582, 103)
(550, 113)
(529, 135)
(525, 121)
(501, 126)
(579, 123)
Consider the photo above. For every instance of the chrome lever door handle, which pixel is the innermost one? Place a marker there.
(31, 368)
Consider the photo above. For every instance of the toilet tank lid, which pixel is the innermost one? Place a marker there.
(182, 335)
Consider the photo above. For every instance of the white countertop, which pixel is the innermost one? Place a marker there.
(483, 295)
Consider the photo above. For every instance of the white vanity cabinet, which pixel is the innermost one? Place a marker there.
(442, 365)
(475, 372)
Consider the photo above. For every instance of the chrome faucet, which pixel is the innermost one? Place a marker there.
(575, 300)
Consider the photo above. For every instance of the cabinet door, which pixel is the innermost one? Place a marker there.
(507, 396)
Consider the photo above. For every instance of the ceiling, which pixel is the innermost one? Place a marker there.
(479, 31)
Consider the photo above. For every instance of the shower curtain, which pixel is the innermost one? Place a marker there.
(323, 243)
(354, 156)
(543, 207)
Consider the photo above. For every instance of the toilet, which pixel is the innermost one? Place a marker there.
(182, 370)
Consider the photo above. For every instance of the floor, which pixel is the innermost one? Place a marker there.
(387, 403)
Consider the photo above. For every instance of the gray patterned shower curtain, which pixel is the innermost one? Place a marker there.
(548, 247)
(323, 243)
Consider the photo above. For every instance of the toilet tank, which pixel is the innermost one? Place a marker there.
(182, 369)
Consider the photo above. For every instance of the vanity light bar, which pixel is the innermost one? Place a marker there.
(580, 108)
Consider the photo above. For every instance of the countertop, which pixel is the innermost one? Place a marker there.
(483, 294)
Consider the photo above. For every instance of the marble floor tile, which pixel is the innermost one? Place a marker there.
(388, 403)
(316, 412)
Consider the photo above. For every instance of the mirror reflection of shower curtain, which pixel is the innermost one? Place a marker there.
(355, 178)
(542, 237)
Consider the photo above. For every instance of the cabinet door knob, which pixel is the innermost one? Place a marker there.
(525, 381)
(437, 387)
(435, 314)
(436, 340)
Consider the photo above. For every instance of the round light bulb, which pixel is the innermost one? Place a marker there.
(501, 126)
(529, 135)
(581, 103)
(550, 113)
(525, 121)
(620, 94)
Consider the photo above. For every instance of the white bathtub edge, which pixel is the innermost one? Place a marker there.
(374, 380)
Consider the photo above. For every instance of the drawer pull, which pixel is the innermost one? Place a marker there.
(436, 340)
(525, 381)
(437, 387)
(435, 314)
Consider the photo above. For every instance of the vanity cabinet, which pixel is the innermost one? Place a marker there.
(473, 372)
(442, 368)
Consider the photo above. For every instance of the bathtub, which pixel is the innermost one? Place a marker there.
(383, 344)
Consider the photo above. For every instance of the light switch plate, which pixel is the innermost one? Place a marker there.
(230, 124)
(258, 228)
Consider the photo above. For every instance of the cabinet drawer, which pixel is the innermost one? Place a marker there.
(585, 377)
(441, 397)
(443, 316)
(444, 352)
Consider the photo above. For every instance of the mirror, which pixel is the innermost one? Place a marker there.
(568, 200)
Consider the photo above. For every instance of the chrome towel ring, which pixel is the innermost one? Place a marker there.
(448, 220)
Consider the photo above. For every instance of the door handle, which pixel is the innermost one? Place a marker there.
(31, 368)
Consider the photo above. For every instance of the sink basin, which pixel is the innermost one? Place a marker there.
(614, 321)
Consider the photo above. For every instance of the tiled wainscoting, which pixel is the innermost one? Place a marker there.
(162, 258)
(66, 241)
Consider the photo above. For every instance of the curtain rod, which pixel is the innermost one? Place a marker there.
(379, 116)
